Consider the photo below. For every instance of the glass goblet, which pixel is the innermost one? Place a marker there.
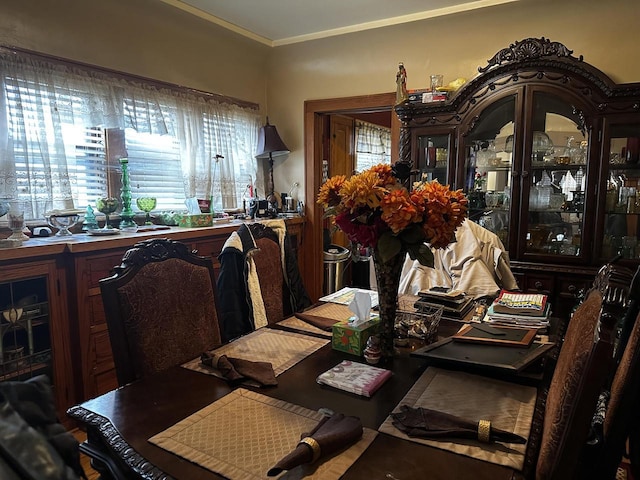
(16, 219)
(146, 204)
(107, 205)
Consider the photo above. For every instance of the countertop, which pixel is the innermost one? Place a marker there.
(82, 242)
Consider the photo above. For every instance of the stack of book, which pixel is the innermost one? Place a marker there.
(530, 310)
(426, 96)
(455, 304)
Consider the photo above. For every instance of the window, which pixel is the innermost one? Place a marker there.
(373, 145)
(63, 128)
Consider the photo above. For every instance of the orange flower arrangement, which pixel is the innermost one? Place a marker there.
(376, 211)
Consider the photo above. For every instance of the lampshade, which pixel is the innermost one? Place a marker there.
(270, 143)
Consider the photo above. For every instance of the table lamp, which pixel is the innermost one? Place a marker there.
(270, 145)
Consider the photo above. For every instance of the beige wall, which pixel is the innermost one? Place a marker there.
(607, 34)
(143, 37)
(165, 43)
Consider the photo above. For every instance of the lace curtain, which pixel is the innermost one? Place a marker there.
(373, 145)
(52, 120)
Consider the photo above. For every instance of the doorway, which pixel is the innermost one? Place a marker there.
(317, 123)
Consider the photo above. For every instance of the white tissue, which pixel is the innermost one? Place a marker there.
(192, 206)
(361, 306)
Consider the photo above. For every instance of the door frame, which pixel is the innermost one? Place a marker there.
(314, 112)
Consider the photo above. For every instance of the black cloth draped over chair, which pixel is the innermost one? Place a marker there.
(259, 281)
(34, 445)
(160, 308)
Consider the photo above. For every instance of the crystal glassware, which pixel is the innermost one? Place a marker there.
(63, 222)
(107, 205)
(146, 204)
(15, 216)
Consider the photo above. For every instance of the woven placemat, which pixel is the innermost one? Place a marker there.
(506, 405)
(283, 349)
(244, 434)
(295, 323)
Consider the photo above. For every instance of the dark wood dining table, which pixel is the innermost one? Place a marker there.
(119, 423)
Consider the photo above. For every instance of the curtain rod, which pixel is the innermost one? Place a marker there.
(128, 76)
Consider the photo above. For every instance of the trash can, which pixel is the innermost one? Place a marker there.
(336, 259)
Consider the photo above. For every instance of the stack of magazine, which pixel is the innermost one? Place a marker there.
(530, 310)
(455, 304)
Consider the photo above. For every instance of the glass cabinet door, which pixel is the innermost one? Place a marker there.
(621, 210)
(556, 165)
(433, 157)
(488, 159)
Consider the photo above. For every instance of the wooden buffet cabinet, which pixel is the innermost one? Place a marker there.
(64, 274)
(547, 149)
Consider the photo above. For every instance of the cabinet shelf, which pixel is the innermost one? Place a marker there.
(24, 372)
(25, 366)
(556, 167)
(634, 167)
(492, 168)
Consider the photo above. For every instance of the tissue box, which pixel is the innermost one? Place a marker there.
(350, 339)
(195, 220)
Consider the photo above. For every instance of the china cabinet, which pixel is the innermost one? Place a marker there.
(547, 149)
(34, 331)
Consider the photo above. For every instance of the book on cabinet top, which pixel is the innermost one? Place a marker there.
(518, 303)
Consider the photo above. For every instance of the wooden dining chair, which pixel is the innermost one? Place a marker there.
(619, 419)
(564, 410)
(271, 274)
(160, 308)
(622, 417)
(259, 281)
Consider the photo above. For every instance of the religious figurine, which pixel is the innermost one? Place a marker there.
(401, 84)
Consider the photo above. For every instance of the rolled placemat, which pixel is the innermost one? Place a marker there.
(322, 323)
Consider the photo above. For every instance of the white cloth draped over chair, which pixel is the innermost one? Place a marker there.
(476, 263)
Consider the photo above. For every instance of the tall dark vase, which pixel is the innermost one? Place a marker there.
(388, 280)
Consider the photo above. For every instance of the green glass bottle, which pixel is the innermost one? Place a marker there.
(126, 222)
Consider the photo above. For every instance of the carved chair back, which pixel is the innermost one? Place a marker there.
(622, 417)
(160, 308)
(582, 369)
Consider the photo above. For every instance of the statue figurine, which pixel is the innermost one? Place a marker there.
(401, 84)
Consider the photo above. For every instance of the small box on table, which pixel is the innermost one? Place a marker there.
(353, 339)
(195, 220)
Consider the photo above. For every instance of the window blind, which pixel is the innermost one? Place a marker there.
(57, 155)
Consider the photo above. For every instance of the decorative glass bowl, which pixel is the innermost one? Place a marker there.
(63, 221)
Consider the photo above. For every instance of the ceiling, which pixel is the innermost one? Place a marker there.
(282, 22)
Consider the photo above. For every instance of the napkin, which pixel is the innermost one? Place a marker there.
(426, 423)
(361, 306)
(330, 435)
(322, 323)
(237, 370)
